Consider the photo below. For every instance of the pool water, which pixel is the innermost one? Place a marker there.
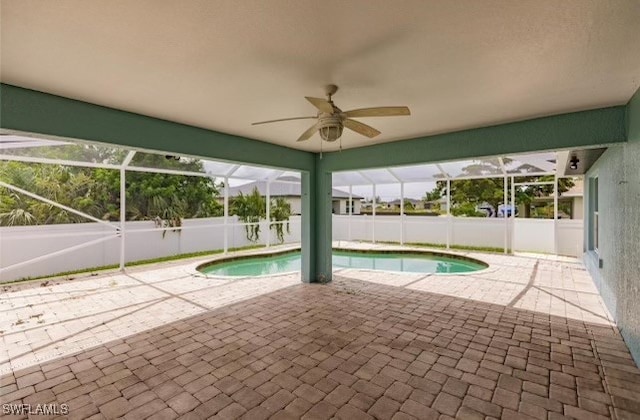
(283, 263)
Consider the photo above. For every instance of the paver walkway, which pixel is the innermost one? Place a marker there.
(527, 337)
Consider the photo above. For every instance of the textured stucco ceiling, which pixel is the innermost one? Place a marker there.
(224, 64)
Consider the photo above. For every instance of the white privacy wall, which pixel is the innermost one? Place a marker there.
(19, 244)
(422, 229)
(532, 235)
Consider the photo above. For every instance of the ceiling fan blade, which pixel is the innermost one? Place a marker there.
(310, 132)
(283, 119)
(381, 111)
(360, 128)
(322, 104)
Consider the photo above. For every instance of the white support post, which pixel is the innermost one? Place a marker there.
(123, 206)
(448, 213)
(226, 214)
(373, 215)
(504, 214)
(513, 212)
(555, 214)
(397, 178)
(268, 215)
(350, 210)
(402, 213)
(123, 215)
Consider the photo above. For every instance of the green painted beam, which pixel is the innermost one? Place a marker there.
(36, 112)
(633, 118)
(594, 128)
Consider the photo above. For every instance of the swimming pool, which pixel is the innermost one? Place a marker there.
(411, 262)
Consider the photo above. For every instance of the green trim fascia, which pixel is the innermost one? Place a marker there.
(633, 118)
(42, 113)
(584, 129)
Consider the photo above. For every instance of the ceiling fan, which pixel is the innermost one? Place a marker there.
(331, 119)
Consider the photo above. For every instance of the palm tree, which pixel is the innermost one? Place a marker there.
(280, 212)
(250, 209)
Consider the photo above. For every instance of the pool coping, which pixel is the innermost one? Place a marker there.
(193, 268)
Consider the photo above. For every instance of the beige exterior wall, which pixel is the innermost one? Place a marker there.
(339, 206)
(578, 208)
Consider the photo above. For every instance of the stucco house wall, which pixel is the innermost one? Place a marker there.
(615, 265)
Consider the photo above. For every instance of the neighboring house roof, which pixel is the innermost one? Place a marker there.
(281, 189)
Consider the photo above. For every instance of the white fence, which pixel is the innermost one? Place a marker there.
(532, 235)
(143, 241)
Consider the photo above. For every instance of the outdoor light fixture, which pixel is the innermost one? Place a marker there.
(573, 162)
(331, 129)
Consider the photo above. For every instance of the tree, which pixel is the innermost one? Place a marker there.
(468, 194)
(170, 198)
(250, 209)
(433, 195)
(72, 187)
(280, 212)
(165, 198)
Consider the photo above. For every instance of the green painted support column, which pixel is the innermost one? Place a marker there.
(316, 225)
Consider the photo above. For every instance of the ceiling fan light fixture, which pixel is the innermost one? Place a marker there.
(330, 128)
(331, 133)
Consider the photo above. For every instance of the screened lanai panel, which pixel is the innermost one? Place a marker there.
(426, 172)
(256, 173)
(379, 176)
(165, 161)
(219, 169)
(489, 167)
(530, 163)
(53, 151)
(344, 179)
(289, 176)
(31, 147)
(203, 166)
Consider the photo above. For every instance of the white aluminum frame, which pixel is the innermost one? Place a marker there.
(505, 175)
(120, 227)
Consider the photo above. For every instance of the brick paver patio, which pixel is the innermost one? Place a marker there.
(526, 338)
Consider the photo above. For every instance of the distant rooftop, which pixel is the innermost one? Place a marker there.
(284, 187)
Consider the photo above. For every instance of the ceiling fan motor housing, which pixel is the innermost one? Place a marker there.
(331, 119)
(330, 128)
